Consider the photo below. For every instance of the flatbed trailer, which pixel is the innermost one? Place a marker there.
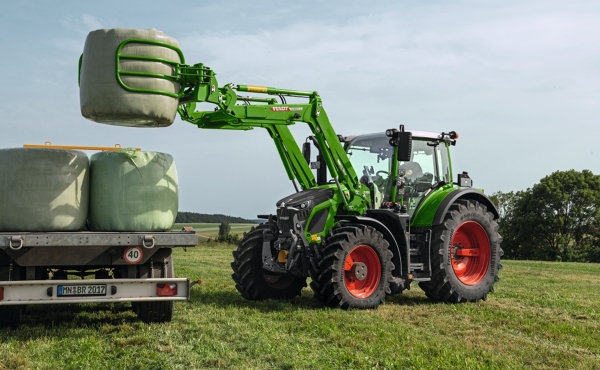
(80, 267)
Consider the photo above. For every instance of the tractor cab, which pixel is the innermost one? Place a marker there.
(371, 156)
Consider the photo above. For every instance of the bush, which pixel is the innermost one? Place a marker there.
(225, 236)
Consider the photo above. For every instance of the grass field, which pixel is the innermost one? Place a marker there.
(543, 315)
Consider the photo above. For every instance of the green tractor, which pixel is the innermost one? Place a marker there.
(413, 224)
(382, 211)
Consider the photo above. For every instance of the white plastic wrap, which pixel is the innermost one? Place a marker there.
(102, 98)
(43, 190)
(133, 191)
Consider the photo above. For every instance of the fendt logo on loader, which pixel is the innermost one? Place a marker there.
(285, 109)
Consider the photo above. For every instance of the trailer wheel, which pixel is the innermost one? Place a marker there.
(254, 282)
(465, 255)
(10, 316)
(354, 268)
(155, 311)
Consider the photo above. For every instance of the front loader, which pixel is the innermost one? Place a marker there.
(383, 211)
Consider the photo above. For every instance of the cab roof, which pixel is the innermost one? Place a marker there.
(415, 133)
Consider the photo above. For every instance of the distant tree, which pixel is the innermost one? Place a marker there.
(558, 219)
(224, 230)
(225, 235)
(506, 203)
(192, 217)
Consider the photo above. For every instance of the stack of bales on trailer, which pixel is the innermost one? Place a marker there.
(54, 190)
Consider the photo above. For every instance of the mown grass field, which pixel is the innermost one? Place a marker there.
(543, 315)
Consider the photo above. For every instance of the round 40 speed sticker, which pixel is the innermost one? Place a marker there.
(133, 255)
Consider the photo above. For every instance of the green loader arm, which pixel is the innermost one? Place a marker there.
(234, 112)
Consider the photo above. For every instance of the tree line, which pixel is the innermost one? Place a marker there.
(557, 219)
(192, 217)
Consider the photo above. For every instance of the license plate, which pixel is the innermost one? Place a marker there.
(81, 290)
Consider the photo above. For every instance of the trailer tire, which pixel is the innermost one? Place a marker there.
(465, 255)
(155, 311)
(10, 316)
(353, 268)
(254, 282)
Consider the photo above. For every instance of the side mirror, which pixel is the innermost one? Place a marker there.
(306, 152)
(404, 146)
(403, 140)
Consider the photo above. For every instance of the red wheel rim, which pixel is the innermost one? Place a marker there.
(470, 253)
(362, 254)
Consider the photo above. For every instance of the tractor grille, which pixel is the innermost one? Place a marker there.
(285, 218)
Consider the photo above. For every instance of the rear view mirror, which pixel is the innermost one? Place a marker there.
(306, 151)
(403, 140)
(404, 146)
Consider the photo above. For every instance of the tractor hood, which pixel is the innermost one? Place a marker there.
(307, 197)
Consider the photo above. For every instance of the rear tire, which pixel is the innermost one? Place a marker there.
(254, 282)
(353, 269)
(465, 255)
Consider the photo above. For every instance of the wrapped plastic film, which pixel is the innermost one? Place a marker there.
(104, 100)
(133, 191)
(43, 190)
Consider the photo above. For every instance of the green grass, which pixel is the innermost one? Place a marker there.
(543, 315)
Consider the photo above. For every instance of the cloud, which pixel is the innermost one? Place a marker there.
(91, 23)
(390, 53)
(83, 24)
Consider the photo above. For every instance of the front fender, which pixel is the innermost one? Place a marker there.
(387, 235)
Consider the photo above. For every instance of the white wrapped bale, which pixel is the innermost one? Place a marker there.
(133, 191)
(104, 100)
(43, 190)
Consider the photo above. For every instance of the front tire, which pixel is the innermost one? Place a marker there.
(254, 282)
(353, 269)
(465, 255)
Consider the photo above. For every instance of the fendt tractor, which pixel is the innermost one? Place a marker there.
(382, 212)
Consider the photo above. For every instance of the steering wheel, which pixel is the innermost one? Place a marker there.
(378, 172)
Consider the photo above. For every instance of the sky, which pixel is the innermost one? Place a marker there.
(518, 80)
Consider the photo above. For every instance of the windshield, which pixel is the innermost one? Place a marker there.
(371, 156)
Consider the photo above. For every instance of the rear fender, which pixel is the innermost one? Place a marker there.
(463, 193)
